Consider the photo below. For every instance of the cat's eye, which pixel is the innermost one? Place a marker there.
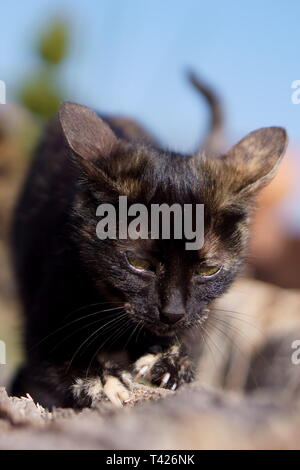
(206, 271)
(139, 263)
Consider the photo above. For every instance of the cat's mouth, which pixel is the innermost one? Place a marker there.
(151, 322)
(161, 328)
(157, 324)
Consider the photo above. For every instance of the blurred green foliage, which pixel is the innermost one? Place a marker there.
(41, 94)
(42, 91)
(53, 44)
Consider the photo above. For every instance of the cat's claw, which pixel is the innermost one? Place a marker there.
(143, 365)
(166, 370)
(165, 379)
(143, 371)
(115, 391)
(89, 392)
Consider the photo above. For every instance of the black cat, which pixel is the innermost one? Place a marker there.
(98, 312)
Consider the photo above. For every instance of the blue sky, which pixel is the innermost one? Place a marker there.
(129, 56)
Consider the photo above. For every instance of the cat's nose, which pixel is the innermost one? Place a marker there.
(171, 317)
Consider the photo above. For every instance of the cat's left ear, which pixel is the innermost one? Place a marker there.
(255, 159)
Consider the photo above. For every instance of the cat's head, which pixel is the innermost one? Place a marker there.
(162, 284)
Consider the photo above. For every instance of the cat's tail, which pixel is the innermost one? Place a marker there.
(214, 142)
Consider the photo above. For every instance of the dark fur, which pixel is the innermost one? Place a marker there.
(66, 274)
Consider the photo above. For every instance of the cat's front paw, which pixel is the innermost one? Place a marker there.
(168, 370)
(90, 391)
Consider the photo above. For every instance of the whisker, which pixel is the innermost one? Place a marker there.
(71, 323)
(131, 335)
(202, 333)
(94, 333)
(107, 339)
(140, 329)
(107, 327)
(234, 332)
(234, 317)
(239, 314)
(83, 327)
(212, 341)
(96, 304)
(121, 331)
(236, 328)
(230, 338)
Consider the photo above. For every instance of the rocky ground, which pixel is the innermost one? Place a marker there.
(193, 418)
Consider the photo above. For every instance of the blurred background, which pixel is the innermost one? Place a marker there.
(130, 57)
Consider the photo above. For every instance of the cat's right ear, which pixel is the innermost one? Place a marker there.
(87, 135)
(90, 138)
